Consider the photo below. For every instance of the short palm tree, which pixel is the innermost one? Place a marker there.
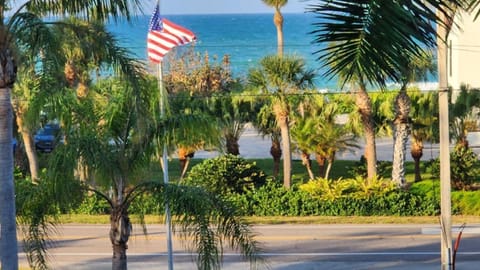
(315, 130)
(464, 115)
(281, 77)
(424, 118)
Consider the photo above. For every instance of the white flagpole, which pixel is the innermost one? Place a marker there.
(168, 222)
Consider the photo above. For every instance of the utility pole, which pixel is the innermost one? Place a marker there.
(445, 185)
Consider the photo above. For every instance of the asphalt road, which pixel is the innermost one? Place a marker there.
(285, 247)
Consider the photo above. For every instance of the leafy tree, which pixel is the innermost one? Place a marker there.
(196, 84)
(281, 77)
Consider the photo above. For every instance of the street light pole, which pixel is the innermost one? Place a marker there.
(445, 185)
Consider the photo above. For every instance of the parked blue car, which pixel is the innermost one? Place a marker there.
(46, 138)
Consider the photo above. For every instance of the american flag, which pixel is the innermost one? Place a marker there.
(163, 35)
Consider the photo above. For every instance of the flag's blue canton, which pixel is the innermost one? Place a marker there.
(155, 21)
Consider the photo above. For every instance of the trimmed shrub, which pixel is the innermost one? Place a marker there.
(226, 174)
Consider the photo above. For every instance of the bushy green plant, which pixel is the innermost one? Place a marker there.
(93, 205)
(364, 188)
(464, 168)
(327, 189)
(226, 174)
(359, 187)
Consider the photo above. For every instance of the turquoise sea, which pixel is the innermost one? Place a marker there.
(246, 38)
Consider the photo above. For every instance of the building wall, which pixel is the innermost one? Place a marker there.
(464, 52)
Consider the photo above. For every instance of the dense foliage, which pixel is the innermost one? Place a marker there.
(464, 168)
(272, 199)
(226, 174)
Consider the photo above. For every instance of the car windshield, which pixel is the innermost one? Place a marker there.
(46, 131)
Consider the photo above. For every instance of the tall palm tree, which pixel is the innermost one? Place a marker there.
(417, 70)
(26, 28)
(281, 77)
(368, 44)
(277, 21)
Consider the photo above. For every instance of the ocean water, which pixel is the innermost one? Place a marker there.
(246, 38)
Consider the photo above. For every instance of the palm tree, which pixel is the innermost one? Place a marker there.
(281, 77)
(416, 70)
(424, 118)
(368, 44)
(26, 28)
(315, 130)
(277, 21)
(464, 115)
(266, 125)
(117, 147)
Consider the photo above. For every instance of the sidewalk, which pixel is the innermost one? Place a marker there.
(253, 145)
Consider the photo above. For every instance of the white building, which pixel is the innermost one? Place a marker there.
(463, 63)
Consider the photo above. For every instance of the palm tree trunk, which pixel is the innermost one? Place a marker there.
(276, 152)
(416, 150)
(329, 167)
(400, 137)
(278, 21)
(364, 106)
(184, 156)
(120, 229)
(287, 153)
(232, 145)
(308, 164)
(8, 234)
(321, 164)
(29, 146)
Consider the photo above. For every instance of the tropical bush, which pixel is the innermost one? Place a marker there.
(226, 174)
(359, 187)
(464, 168)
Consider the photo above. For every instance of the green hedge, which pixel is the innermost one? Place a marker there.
(273, 199)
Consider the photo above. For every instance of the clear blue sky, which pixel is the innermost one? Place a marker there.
(222, 6)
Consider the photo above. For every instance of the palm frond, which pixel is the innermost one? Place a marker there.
(372, 41)
(91, 9)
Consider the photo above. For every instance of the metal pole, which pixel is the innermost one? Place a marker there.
(445, 186)
(168, 222)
